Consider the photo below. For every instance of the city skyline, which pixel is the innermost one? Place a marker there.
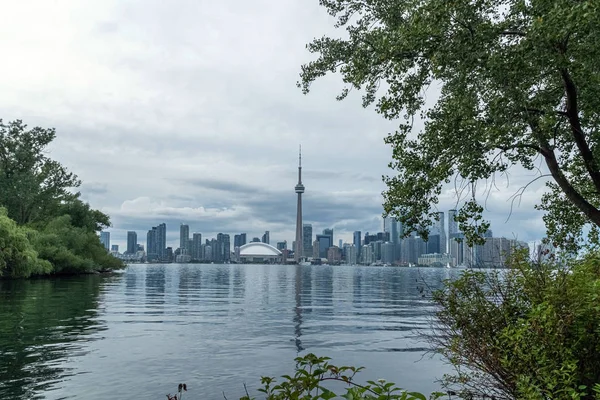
(170, 114)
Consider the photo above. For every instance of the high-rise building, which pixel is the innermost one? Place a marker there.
(452, 224)
(184, 238)
(151, 244)
(239, 240)
(161, 242)
(325, 243)
(442, 232)
(282, 245)
(105, 239)
(196, 246)
(351, 254)
(329, 232)
(265, 238)
(222, 252)
(114, 248)
(131, 242)
(357, 242)
(340, 243)
(306, 239)
(394, 238)
(299, 227)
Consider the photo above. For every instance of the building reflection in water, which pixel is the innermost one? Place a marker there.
(155, 287)
(239, 282)
(303, 301)
(189, 284)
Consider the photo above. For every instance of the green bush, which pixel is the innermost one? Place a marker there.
(529, 332)
(72, 249)
(18, 258)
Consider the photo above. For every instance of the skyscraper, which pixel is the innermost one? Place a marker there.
(131, 242)
(105, 239)
(443, 239)
(196, 246)
(299, 227)
(151, 244)
(265, 238)
(184, 238)
(329, 232)
(357, 241)
(452, 224)
(161, 242)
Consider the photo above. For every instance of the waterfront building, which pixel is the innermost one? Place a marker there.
(196, 246)
(334, 255)
(184, 238)
(388, 252)
(366, 255)
(259, 252)
(151, 244)
(131, 242)
(436, 260)
(356, 236)
(105, 239)
(329, 232)
(316, 248)
(239, 240)
(265, 238)
(324, 242)
(351, 254)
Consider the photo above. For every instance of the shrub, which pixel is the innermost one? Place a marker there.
(529, 332)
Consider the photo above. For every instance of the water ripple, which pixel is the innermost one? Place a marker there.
(212, 326)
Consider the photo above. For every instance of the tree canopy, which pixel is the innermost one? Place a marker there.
(44, 226)
(519, 83)
(31, 182)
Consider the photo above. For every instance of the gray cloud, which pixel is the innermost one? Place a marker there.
(188, 112)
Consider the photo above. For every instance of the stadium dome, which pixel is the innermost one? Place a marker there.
(259, 252)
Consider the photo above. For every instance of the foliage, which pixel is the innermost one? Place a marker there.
(46, 228)
(18, 258)
(518, 83)
(31, 183)
(313, 372)
(527, 333)
(72, 249)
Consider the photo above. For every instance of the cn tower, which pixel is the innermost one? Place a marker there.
(299, 189)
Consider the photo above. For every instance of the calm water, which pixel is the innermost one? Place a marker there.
(138, 334)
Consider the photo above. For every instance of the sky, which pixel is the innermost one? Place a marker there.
(188, 112)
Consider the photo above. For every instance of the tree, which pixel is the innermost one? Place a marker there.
(525, 333)
(519, 82)
(31, 184)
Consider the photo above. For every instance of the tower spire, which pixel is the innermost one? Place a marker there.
(300, 156)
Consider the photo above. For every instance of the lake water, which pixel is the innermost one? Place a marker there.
(139, 333)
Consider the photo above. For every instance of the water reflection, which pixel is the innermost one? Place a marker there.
(298, 308)
(42, 324)
(213, 326)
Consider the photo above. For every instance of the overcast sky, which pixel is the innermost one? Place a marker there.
(188, 111)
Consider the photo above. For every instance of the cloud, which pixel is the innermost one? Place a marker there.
(188, 112)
